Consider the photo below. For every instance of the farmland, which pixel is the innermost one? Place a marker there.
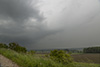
(87, 58)
(84, 58)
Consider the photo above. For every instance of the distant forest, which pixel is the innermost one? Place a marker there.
(91, 50)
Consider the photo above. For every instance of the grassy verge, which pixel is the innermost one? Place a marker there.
(27, 60)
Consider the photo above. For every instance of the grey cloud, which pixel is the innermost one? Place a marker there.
(77, 25)
(19, 9)
(80, 23)
(21, 22)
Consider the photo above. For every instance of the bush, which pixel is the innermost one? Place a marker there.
(60, 56)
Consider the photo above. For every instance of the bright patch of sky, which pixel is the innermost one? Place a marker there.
(69, 12)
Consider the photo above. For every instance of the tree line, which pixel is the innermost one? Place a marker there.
(91, 50)
(13, 46)
(16, 47)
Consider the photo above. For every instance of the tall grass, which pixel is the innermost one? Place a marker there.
(28, 60)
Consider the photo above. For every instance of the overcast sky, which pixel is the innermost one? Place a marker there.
(47, 24)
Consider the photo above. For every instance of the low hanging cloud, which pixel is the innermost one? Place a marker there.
(21, 22)
(79, 20)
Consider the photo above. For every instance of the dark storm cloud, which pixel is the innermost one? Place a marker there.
(19, 9)
(21, 22)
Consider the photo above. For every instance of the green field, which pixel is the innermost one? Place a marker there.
(28, 60)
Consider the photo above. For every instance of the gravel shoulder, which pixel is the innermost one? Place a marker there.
(5, 62)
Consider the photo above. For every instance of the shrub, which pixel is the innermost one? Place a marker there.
(60, 56)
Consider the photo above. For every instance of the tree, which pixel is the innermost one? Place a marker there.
(17, 47)
(3, 45)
